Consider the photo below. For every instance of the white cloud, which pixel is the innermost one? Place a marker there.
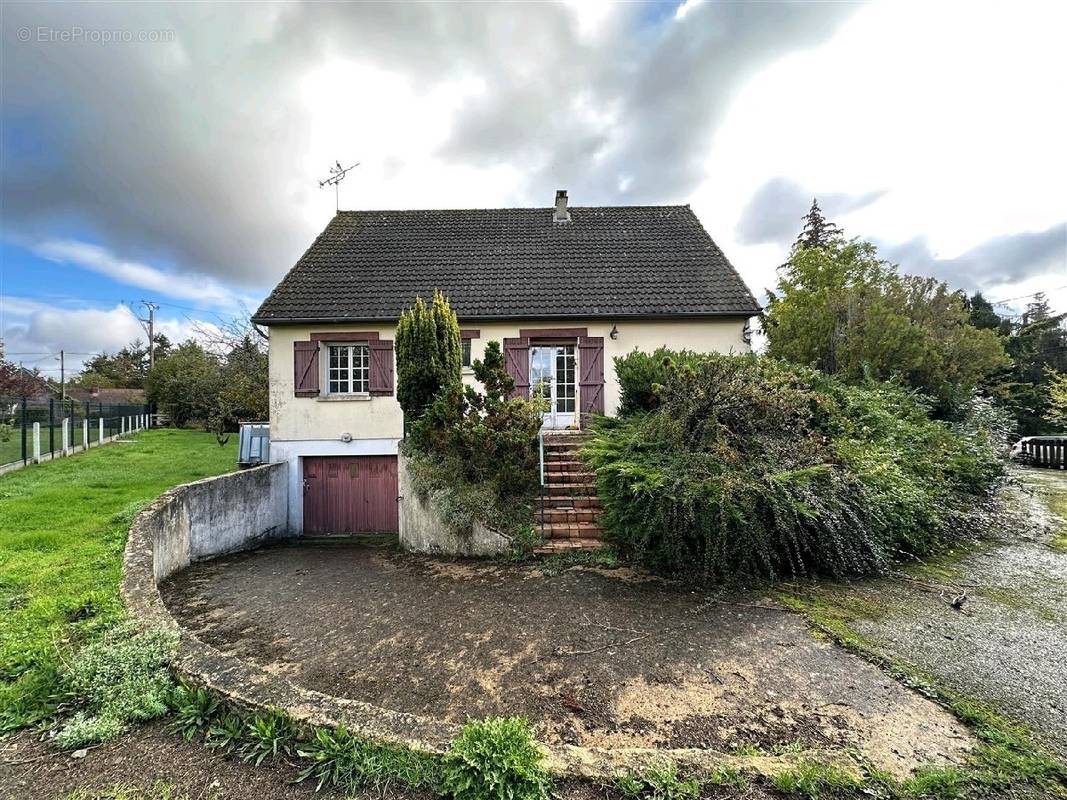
(36, 332)
(102, 261)
(957, 112)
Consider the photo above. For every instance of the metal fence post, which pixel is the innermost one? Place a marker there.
(23, 426)
(51, 426)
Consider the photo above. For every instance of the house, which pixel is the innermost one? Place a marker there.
(108, 397)
(563, 289)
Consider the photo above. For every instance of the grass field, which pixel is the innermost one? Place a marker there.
(63, 526)
(11, 449)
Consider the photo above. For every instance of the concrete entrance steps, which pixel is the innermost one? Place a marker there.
(569, 509)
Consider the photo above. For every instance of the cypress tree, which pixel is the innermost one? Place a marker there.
(428, 353)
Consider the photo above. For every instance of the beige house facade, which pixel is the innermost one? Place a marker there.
(604, 281)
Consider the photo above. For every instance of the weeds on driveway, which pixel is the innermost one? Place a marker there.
(1006, 756)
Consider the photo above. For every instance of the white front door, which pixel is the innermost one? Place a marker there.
(553, 374)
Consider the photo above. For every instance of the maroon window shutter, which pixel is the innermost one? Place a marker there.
(306, 369)
(591, 378)
(381, 367)
(517, 363)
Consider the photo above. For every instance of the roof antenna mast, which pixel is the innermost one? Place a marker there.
(337, 174)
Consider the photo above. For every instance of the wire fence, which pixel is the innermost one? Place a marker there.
(29, 423)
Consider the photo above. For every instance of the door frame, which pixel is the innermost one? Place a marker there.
(570, 419)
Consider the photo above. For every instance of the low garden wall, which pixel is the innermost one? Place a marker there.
(423, 531)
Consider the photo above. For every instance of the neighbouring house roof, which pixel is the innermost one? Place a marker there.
(612, 261)
(108, 396)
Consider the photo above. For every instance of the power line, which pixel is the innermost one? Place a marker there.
(1025, 296)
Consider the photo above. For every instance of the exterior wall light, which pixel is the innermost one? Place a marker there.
(614, 332)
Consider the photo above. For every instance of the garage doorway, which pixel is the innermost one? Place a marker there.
(350, 494)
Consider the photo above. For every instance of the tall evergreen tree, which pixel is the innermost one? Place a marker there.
(429, 353)
(818, 231)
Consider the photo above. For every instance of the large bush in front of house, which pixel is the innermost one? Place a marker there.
(642, 375)
(475, 453)
(752, 466)
(428, 353)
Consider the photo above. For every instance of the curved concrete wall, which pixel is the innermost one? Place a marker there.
(204, 519)
(241, 510)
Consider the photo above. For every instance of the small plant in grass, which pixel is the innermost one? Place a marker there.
(194, 709)
(339, 758)
(725, 775)
(937, 783)
(227, 733)
(660, 782)
(330, 753)
(495, 759)
(123, 678)
(266, 737)
(815, 781)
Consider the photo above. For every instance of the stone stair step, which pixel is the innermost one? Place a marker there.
(548, 515)
(570, 501)
(569, 477)
(568, 545)
(572, 530)
(584, 487)
(566, 465)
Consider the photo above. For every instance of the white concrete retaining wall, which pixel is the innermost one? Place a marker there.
(423, 531)
(200, 520)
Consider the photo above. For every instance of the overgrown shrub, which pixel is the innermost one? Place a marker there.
(474, 454)
(751, 466)
(495, 759)
(642, 376)
(123, 678)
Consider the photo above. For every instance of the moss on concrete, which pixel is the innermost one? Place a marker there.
(1007, 756)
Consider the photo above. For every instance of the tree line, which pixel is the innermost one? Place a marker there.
(838, 306)
(213, 386)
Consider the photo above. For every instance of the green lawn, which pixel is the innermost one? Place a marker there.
(11, 449)
(62, 529)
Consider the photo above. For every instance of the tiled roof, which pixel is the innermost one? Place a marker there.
(511, 263)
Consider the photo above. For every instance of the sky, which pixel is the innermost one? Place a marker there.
(172, 152)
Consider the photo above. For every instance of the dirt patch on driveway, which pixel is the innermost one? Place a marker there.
(592, 657)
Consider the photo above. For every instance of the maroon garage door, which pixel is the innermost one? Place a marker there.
(350, 494)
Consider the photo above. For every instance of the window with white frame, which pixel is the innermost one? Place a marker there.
(466, 353)
(348, 369)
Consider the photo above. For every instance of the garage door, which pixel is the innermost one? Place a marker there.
(350, 494)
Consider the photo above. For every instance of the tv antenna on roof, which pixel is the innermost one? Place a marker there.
(337, 174)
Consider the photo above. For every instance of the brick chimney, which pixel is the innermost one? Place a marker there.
(562, 214)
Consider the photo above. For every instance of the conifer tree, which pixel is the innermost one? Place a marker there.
(428, 353)
(818, 231)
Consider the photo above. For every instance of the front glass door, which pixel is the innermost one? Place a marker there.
(552, 374)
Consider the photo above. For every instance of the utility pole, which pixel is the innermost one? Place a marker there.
(151, 323)
(62, 376)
